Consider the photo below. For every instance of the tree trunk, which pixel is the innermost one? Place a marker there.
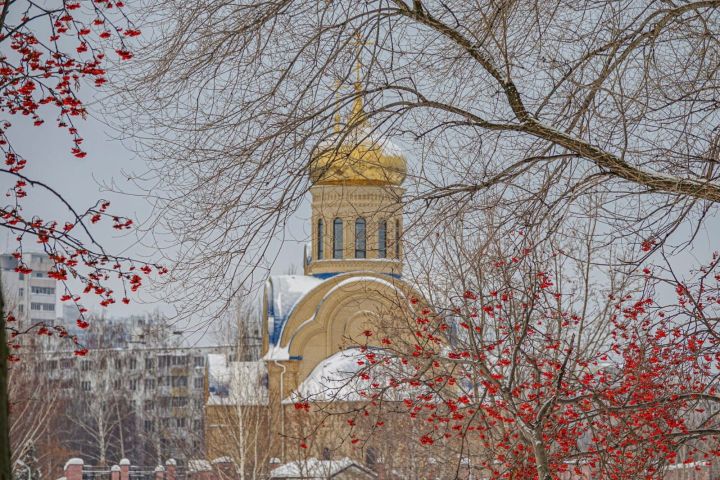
(241, 428)
(541, 459)
(5, 466)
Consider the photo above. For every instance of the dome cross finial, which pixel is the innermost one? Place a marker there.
(358, 117)
(356, 155)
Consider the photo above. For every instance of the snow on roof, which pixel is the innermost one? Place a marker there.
(337, 378)
(680, 466)
(241, 383)
(74, 461)
(277, 353)
(219, 375)
(312, 468)
(199, 466)
(217, 364)
(370, 137)
(277, 324)
(283, 293)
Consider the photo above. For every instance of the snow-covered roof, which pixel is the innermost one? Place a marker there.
(199, 466)
(312, 468)
(74, 461)
(283, 294)
(275, 352)
(219, 375)
(693, 465)
(238, 383)
(337, 378)
(286, 291)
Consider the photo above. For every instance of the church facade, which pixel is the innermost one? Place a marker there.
(352, 274)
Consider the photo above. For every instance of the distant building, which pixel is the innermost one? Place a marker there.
(137, 377)
(32, 297)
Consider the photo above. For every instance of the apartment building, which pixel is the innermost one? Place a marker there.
(137, 388)
(32, 297)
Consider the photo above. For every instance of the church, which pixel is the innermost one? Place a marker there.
(312, 324)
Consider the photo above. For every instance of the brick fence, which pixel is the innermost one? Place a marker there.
(219, 469)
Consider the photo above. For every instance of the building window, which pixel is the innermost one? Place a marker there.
(320, 239)
(179, 381)
(397, 238)
(86, 386)
(149, 363)
(41, 290)
(382, 239)
(45, 307)
(199, 361)
(149, 384)
(199, 382)
(337, 238)
(21, 292)
(360, 238)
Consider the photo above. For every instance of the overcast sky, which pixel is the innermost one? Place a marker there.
(83, 181)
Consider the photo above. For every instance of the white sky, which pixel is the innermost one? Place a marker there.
(82, 182)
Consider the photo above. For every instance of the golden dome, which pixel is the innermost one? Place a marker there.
(366, 162)
(362, 159)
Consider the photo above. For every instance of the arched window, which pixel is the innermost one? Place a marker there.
(382, 239)
(320, 239)
(337, 238)
(397, 238)
(360, 238)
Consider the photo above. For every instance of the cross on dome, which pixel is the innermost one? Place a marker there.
(359, 157)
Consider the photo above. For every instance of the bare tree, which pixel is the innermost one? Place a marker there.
(97, 419)
(239, 417)
(540, 111)
(34, 407)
